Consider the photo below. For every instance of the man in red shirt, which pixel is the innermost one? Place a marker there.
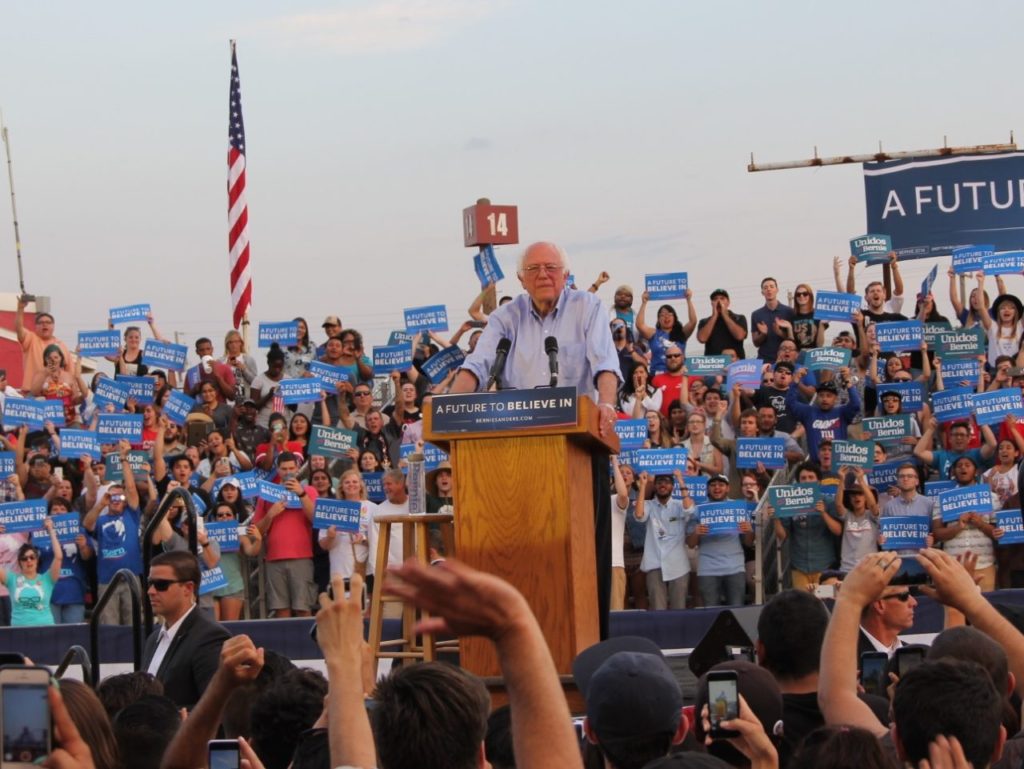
(287, 530)
(670, 382)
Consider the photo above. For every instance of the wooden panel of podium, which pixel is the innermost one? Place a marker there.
(524, 510)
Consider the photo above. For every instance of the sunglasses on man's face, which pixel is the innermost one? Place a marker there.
(28, 558)
(161, 585)
(902, 597)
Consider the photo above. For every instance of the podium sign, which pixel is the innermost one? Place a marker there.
(504, 410)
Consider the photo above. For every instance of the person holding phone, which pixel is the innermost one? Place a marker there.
(31, 591)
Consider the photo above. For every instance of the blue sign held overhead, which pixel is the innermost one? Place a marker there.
(1006, 263)
(991, 408)
(871, 248)
(666, 285)
(400, 338)
(6, 463)
(962, 341)
(67, 527)
(27, 515)
(304, 390)
(248, 485)
(888, 429)
(33, 413)
(334, 442)
(330, 375)
(899, 335)
(911, 394)
(632, 433)
(439, 365)
(178, 406)
(395, 357)
(165, 355)
(707, 365)
(141, 388)
(285, 333)
(99, 342)
(905, 532)
(771, 452)
(883, 477)
(77, 443)
(745, 373)
(115, 471)
(968, 259)
(341, 513)
(130, 313)
(110, 392)
(952, 405)
(486, 266)
(835, 305)
(827, 358)
(431, 318)
(853, 454)
(960, 372)
(112, 428)
(661, 461)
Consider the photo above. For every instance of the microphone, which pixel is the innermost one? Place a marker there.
(500, 356)
(551, 348)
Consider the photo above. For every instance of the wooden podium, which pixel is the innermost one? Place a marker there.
(524, 510)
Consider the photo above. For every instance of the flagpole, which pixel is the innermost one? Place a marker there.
(14, 208)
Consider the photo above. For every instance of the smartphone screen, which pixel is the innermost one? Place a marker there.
(223, 754)
(723, 702)
(907, 660)
(872, 672)
(26, 723)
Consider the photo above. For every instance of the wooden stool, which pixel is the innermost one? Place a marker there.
(414, 542)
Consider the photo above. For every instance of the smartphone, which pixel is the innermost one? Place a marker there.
(223, 754)
(723, 701)
(196, 432)
(745, 653)
(908, 658)
(25, 737)
(58, 473)
(873, 667)
(825, 591)
(577, 725)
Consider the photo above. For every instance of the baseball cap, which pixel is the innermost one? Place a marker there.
(232, 482)
(719, 292)
(331, 320)
(629, 689)
(891, 394)
(785, 364)
(250, 402)
(720, 477)
(829, 387)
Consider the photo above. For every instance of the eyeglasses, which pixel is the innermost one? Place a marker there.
(535, 269)
(161, 585)
(901, 597)
(28, 557)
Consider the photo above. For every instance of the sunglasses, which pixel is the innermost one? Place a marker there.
(802, 293)
(902, 597)
(360, 393)
(28, 558)
(677, 355)
(161, 585)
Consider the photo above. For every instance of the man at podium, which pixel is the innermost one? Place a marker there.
(554, 335)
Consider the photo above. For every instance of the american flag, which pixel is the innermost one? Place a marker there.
(238, 212)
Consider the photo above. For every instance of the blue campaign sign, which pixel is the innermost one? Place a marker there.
(110, 392)
(285, 333)
(931, 206)
(272, 492)
(661, 461)
(327, 441)
(835, 305)
(303, 390)
(99, 342)
(794, 499)
(882, 477)
(871, 248)
(889, 428)
(374, 486)
(141, 388)
(225, 534)
(934, 488)
(954, 404)
(771, 452)
(34, 413)
(431, 318)
(905, 532)
(486, 266)
(962, 341)
(911, 394)
(666, 285)
(76, 443)
(114, 427)
(707, 365)
(960, 371)
(67, 525)
(115, 471)
(330, 375)
(723, 517)
(965, 499)
(632, 433)
(342, 513)
(827, 358)
(6, 463)
(503, 410)
(212, 579)
(1012, 525)
(394, 357)
(745, 373)
(968, 259)
(1006, 263)
(400, 338)
(899, 335)
(247, 482)
(432, 455)
(165, 355)
(22, 516)
(929, 280)
(130, 313)
(438, 366)
(991, 408)
(853, 454)
(696, 487)
(178, 406)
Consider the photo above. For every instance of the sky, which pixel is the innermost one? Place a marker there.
(621, 131)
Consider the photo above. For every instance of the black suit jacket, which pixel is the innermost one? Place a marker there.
(191, 660)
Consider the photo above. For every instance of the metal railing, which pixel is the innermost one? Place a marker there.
(79, 653)
(770, 561)
(125, 576)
